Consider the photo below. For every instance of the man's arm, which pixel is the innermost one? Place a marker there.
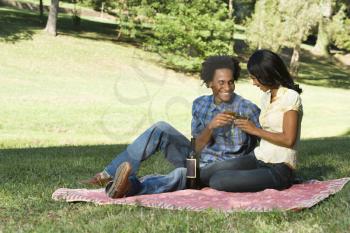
(204, 137)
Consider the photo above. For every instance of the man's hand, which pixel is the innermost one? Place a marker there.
(246, 126)
(220, 120)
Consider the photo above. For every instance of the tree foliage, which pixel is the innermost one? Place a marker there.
(265, 27)
(188, 31)
(279, 23)
(184, 32)
(243, 9)
(339, 29)
(298, 18)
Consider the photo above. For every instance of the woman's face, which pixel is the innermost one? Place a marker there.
(258, 84)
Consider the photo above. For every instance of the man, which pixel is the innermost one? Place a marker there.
(217, 139)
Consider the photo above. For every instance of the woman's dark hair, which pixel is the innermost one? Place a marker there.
(268, 68)
(213, 63)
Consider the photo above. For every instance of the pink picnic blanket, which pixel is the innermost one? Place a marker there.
(298, 197)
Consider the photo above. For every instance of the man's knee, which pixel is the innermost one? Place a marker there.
(162, 125)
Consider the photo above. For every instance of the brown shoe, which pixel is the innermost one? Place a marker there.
(97, 180)
(120, 184)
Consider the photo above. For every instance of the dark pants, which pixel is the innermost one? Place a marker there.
(246, 174)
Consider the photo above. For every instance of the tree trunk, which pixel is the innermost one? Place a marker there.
(323, 42)
(230, 16)
(41, 10)
(230, 9)
(294, 62)
(102, 9)
(261, 16)
(52, 19)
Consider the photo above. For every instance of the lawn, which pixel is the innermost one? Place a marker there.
(69, 104)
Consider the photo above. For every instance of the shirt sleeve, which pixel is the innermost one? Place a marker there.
(292, 102)
(254, 115)
(196, 124)
(251, 111)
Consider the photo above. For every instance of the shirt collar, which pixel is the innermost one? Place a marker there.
(280, 92)
(213, 106)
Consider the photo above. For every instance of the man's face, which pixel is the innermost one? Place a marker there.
(222, 85)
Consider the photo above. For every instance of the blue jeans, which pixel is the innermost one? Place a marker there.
(159, 137)
(247, 174)
(242, 174)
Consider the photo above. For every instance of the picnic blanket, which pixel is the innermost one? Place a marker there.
(297, 197)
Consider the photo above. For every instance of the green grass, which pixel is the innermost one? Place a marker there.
(69, 104)
(26, 190)
(324, 72)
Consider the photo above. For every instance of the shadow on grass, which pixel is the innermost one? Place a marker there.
(54, 165)
(100, 31)
(64, 166)
(324, 72)
(324, 158)
(316, 71)
(29, 176)
(17, 25)
(321, 158)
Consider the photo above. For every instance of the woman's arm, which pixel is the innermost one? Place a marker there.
(286, 138)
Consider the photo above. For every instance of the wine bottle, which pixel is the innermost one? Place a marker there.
(192, 165)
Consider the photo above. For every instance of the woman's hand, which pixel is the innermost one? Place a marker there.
(246, 126)
(220, 120)
(286, 138)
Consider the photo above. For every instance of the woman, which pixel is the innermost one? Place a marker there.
(273, 162)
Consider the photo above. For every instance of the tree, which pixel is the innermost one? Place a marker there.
(323, 41)
(183, 32)
(189, 31)
(243, 9)
(51, 25)
(339, 29)
(332, 27)
(298, 18)
(41, 11)
(230, 9)
(278, 23)
(264, 28)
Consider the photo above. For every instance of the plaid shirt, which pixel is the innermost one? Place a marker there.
(229, 141)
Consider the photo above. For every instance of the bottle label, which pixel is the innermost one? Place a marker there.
(191, 166)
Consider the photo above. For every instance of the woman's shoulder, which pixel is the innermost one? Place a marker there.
(291, 98)
(292, 95)
(292, 92)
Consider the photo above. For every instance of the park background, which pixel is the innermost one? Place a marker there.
(75, 92)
